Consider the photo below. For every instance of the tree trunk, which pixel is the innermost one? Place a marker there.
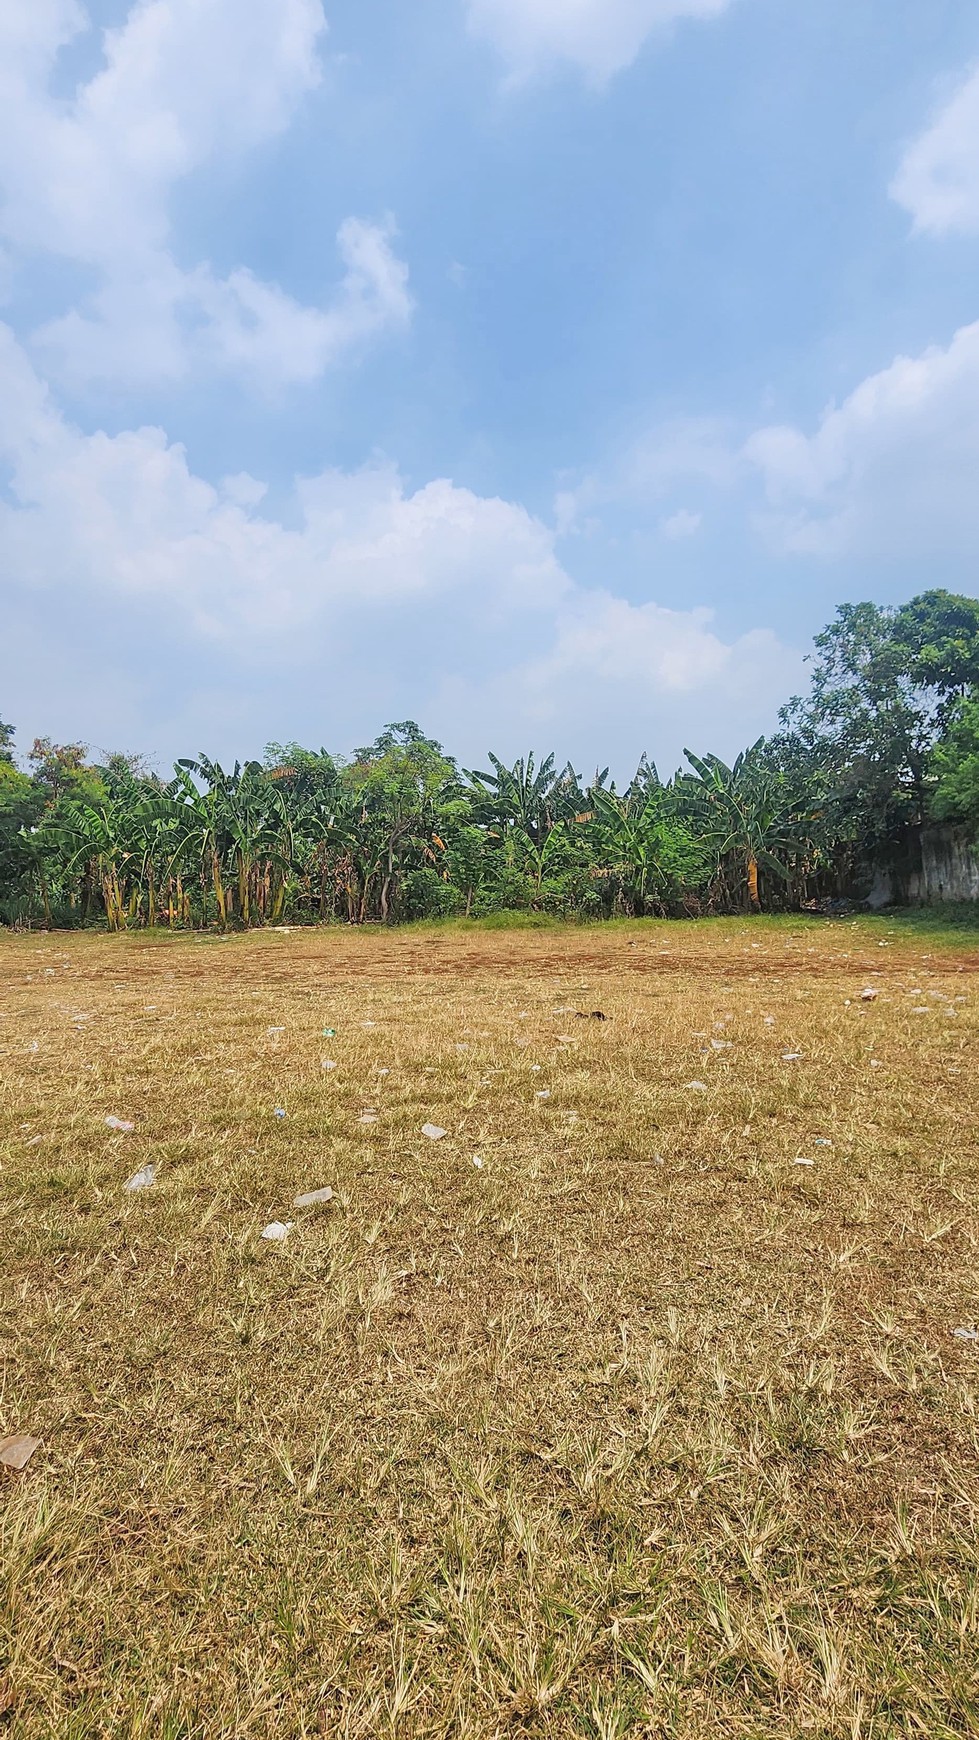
(219, 893)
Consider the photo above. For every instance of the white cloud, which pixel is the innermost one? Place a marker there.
(183, 82)
(600, 37)
(449, 604)
(169, 324)
(682, 524)
(890, 472)
(938, 181)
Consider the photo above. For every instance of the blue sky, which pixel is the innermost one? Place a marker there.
(544, 370)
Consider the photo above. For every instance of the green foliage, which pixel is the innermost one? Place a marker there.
(886, 738)
(956, 796)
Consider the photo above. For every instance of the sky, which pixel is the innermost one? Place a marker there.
(546, 371)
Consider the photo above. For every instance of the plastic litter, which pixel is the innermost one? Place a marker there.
(142, 1179)
(869, 995)
(543, 1094)
(119, 1124)
(328, 1063)
(368, 1116)
(699, 1087)
(368, 1024)
(277, 1230)
(17, 1450)
(310, 1198)
(280, 1111)
(791, 1056)
(329, 1033)
(721, 1044)
(822, 1142)
(274, 1030)
(966, 1334)
(798, 1161)
(769, 1021)
(433, 1132)
(478, 1162)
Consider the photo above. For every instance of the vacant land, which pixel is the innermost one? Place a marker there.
(632, 1405)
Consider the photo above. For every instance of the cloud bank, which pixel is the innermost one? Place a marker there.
(183, 83)
(371, 595)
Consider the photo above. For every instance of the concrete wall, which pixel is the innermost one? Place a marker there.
(949, 867)
(943, 865)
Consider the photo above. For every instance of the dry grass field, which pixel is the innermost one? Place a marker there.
(603, 1415)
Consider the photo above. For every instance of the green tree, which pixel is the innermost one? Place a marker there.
(956, 797)
(745, 816)
(653, 854)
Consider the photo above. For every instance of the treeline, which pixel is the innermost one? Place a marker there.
(886, 739)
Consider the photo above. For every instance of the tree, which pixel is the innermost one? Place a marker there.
(745, 815)
(938, 633)
(652, 852)
(956, 797)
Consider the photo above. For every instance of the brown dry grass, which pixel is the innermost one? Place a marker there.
(638, 1429)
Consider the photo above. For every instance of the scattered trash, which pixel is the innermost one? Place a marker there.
(328, 1063)
(699, 1087)
(17, 1450)
(280, 1111)
(368, 1024)
(277, 1230)
(32, 1141)
(791, 1056)
(478, 1162)
(875, 1063)
(34, 1046)
(384, 1072)
(329, 1033)
(721, 1044)
(798, 1161)
(822, 1142)
(275, 1030)
(769, 1021)
(119, 1124)
(868, 994)
(433, 1132)
(535, 1069)
(966, 1334)
(543, 1094)
(142, 1179)
(368, 1115)
(310, 1198)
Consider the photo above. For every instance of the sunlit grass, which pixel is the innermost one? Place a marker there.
(638, 1426)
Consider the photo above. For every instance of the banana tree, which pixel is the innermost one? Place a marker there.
(98, 836)
(745, 816)
(531, 798)
(654, 853)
